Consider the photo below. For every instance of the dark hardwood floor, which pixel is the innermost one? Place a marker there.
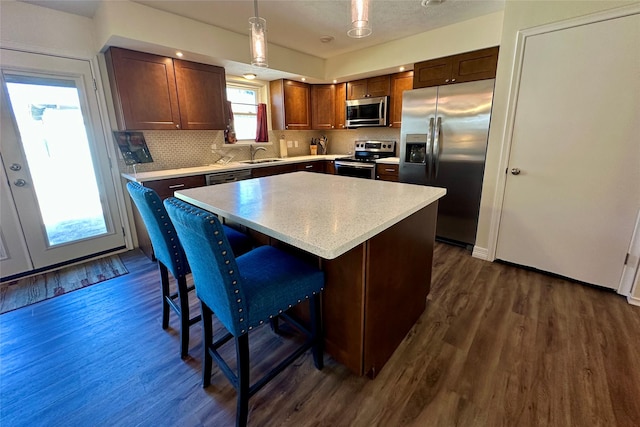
(496, 346)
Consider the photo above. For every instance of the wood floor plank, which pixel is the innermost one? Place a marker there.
(496, 346)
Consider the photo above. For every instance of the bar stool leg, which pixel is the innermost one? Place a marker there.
(207, 340)
(164, 283)
(242, 354)
(183, 296)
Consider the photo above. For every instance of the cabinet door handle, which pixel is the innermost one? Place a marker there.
(308, 166)
(389, 170)
(177, 126)
(176, 186)
(446, 81)
(453, 80)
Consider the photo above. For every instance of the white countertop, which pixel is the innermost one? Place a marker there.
(326, 215)
(213, 168)
(389, 161)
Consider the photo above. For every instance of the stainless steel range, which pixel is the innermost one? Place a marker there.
(363, 162)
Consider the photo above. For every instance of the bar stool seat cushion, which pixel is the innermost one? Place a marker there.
(275, 281)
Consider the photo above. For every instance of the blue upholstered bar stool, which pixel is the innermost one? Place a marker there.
(170, 255)
(244, 293)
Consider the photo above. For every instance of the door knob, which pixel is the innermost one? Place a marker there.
(15, 167)
(515, 171)
(20, 182)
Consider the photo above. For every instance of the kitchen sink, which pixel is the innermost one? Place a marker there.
(253, 162)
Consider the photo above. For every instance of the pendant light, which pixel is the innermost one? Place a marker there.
(258, 38)
(359, 19)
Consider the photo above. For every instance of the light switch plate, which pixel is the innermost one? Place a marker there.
(289, 144)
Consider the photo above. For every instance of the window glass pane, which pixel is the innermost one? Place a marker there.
(244, 104)
(54, 140)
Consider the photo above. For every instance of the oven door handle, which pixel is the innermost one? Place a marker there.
(351, 165)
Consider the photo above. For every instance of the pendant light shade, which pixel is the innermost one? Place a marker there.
(258, 39)
(359, 19)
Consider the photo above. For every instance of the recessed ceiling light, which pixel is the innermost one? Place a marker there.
(179, 54)
(249, 76)
(426, 3)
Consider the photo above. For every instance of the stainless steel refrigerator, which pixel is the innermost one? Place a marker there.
(443, 143)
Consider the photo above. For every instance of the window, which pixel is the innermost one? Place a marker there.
(244, 104)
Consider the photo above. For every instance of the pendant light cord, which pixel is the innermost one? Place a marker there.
(255, 7)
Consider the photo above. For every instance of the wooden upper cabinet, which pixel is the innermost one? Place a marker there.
(466, 67)
(152, 92)
(323, 102)
(477, 65)
(202, 94)
(365, 88)
(328, 106)
(399, 83)
(357, 89)
(432, 73)
(341, 108)
(290, 105)
(144, 90)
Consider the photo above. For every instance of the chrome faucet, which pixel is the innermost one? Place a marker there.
(253, 150)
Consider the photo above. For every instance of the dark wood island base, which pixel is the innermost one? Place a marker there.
(376, 292)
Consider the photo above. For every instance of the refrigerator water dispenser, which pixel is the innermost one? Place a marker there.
(416, 149)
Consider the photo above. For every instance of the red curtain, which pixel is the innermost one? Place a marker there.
(261, 133)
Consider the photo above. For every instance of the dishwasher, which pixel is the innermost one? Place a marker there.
(228, 176)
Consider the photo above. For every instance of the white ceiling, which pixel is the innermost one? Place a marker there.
(299, 24)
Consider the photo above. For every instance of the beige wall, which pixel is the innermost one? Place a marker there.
(465, 36)
(37, 29)
(140, 27)
(519, 15)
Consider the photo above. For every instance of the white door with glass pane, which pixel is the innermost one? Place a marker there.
(56, 162)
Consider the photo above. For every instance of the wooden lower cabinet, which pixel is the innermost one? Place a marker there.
(314, 166)
(272, 170)
(330, 167)
(165, 188)
(386, 172)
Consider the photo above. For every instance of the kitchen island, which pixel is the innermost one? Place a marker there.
(373, 239)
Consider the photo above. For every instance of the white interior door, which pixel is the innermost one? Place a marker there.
(572, 207)
(55, 158)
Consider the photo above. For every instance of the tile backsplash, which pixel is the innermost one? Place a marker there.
(190, 148)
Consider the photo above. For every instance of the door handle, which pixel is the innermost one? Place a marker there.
(515, 171)
(20, 182)
(436, 148)
(429, 147)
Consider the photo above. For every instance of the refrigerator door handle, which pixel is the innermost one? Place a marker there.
(437, 147)
(429, 153)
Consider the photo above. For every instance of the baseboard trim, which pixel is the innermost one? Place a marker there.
(633, 301)
(480, 253)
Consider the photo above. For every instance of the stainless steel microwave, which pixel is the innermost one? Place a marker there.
(364, 112)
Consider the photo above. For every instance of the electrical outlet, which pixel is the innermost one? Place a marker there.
(295, 143)
(289, 144)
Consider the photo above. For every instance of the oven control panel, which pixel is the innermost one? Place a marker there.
(376, 146)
